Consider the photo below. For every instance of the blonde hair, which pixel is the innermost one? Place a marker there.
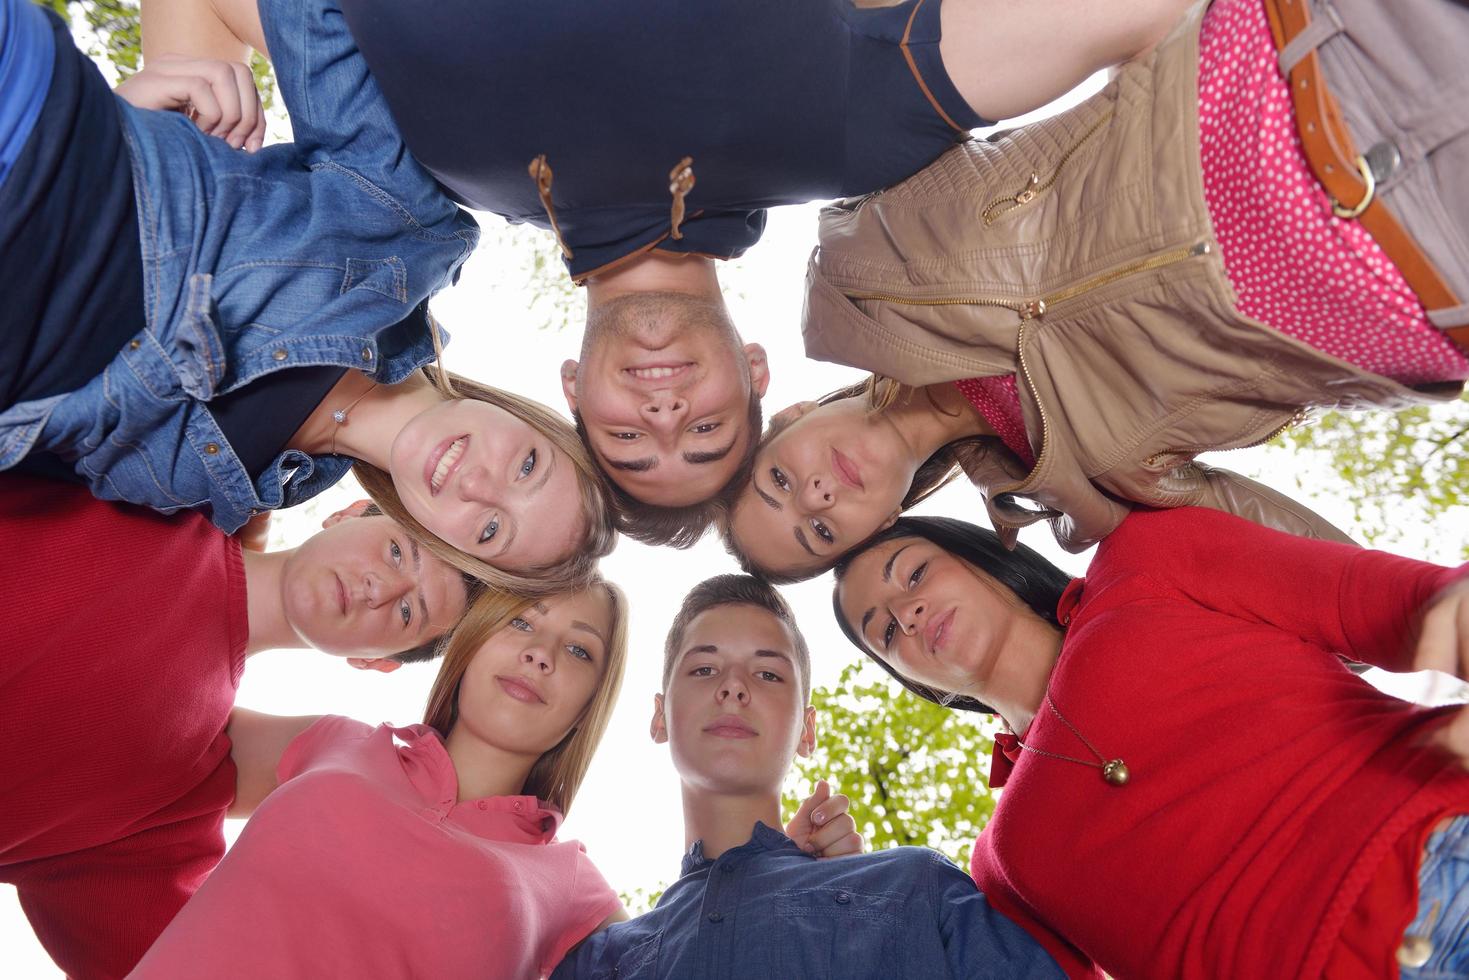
(566, 575)
(558, 773)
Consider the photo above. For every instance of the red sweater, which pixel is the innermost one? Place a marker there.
(124, 637)
(1268, 782)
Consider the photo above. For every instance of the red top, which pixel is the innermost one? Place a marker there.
(365, 863)
(1268, 781)
(124, 639)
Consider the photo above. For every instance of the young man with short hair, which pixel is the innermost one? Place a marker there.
(125, 636)
(735, 710)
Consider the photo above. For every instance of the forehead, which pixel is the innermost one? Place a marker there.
(863, 582)
(766, 535)
(674, 481)
(591, 606)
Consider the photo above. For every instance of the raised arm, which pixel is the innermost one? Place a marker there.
(220, 30)
(257, 743)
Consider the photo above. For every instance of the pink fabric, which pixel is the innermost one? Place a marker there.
(997, 400)
(1295, 265)
(362, 864)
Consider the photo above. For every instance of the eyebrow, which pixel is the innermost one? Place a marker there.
(776, 654)
(712, 648)
(801, 540)
(769, 500)
(418, 577)
(711, 455)
(635, 465)
(887, 576)
(588, 627)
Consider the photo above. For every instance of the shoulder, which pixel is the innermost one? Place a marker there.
(329, 734)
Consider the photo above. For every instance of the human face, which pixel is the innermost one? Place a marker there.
(666, 406)
(531, 681)
(489, 484)
(733, 712)
(363, 588)
(824, 484)
(933, 618)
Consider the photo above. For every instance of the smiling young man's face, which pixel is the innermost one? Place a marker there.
(664, 389)
(733, 710)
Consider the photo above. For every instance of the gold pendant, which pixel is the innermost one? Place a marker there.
(1115, 772)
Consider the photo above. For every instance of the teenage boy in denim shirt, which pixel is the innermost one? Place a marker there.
(735, 710)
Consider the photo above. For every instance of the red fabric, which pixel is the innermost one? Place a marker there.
(997, 401)
(1295, 265)
(1268, 782)
(124, 641)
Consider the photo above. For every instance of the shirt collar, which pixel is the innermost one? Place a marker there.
(762, 838)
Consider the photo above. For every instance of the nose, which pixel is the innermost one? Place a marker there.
(663, 411)
(378, 589)
(911, 612)
(474, 483)
(818, 494)
(733, 687)
(538, 658)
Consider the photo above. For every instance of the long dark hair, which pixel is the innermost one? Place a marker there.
(1035, 581)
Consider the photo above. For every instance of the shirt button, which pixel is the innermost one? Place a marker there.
(135, 344)
(366, 354)
(843, 898)
(483, 805)
(279, 354)
(716, 917)
(519, 806)
(726, 867)
(212, 449)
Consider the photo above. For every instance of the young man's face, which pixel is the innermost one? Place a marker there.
(733, 713)
(363, 588)
(666, 405)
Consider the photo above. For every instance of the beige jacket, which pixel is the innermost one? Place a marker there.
(1078, 254)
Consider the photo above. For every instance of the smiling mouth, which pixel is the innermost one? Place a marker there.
(938, 631)
(442, 461)
(519, 689)
(846, 470)
(658, 372)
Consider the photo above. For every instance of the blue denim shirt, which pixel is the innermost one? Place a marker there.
(768, 909)
(316, 252)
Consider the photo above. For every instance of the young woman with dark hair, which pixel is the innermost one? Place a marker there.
(1195, 784)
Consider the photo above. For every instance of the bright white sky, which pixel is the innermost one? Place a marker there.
(628, 810)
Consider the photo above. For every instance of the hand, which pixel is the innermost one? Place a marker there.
(219, 96)
(256, 532)
(822, 826)
(1443, 638)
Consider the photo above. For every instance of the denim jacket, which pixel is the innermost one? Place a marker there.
(319, 252)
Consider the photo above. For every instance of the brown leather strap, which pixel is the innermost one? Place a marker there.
(540, 172)
(1333, 158)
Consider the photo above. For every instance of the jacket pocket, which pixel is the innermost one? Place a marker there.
(386, 276)
(833, 931)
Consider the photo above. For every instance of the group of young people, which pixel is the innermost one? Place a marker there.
(1256, 216)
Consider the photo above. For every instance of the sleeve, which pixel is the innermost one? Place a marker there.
(1361, 603)
(98, 911)
(589, 902)
(305, 748)
(982, 940)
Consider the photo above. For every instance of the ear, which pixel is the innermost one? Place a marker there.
(353, 509)
(807, 745)
(658, 729)
(380, 664)
(568, 382)
(790, 413)
(759, 368)
(890, 520)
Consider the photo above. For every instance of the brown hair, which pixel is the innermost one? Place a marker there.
(566, 575)
(558, 773)
(931, 476)
(681, 527)
(735, 590)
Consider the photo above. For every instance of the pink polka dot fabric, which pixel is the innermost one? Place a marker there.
(1296, 266)
(998, 403)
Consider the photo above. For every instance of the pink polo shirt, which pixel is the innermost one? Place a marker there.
(362, 864)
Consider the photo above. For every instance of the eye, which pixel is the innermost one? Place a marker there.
(519, 624)
(704, 671)
(489, 531)
(823, 532)
(779, 479)
(528, 465)
(769, 675)
(407, 611)
(917, 575)
(625, 436)
(887, 634)
(579, 653)
(704, 428)
(395, 551)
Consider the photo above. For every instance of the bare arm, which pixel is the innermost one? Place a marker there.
(258, 742)
(1007, 57)
(221, 30)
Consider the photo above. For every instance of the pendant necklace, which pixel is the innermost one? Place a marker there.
(339, 415)
(1114, 771)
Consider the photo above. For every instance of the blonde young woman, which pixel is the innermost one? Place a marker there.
(430, 850)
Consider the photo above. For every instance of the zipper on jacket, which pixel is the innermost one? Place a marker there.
(1297, 417)
(1036, 186)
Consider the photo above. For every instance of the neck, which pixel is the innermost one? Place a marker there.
(929, 418)
(265, 606)
(376, 413)
(723, 821)
(656, 271)
(486, 770)
(1020, 697)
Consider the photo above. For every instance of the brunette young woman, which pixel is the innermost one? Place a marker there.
(208, 328)
(1163, 270)
(426, 851)
(1196, 785)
